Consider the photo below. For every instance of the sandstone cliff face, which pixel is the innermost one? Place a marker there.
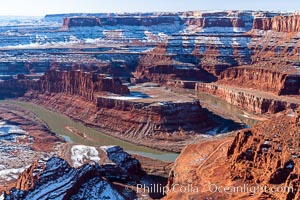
(268, 154)
(265, 156)
(12, 88)
(81, 22)
(288, 23)
(250, 100)
(164, 73)
(217, 22)
(151, 119)
(79, 83)
(268, 80)
(262, 23)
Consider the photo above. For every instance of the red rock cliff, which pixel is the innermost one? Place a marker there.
(265, 157)
(216, 22)
(262, 23)
(288, 23)
(264, 79)
(268, 155)
(79, 83)
(248, 99)
(81, 22)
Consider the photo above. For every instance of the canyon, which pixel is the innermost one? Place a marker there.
(106, 103)
(139, 77)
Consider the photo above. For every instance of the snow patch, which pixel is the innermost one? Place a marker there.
(81, 154)
(133, 95)
(9, 129)
(11, 174)
(123, 97)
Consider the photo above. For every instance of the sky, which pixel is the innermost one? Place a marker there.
(43, 7)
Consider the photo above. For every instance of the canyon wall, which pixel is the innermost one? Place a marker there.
(151, 119)
(83, 84)
(263, 158)
(263, 79)
(79, 83)
(280, 23)
(249, 100)
(164, 73)
(81, 22)
(204, 41)
(119, 20)
(271, 145)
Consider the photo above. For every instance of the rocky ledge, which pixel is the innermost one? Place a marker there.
(278, 23)
(269, 154)
(251, 100)
(263, 79)
(76, 82)
(105, 172)
(261, 163)
(57, 179)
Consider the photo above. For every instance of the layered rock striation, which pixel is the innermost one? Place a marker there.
(272, 145)
(263, 79)
(248, 99)
(261, 162)
(79, 83)
(280, 23)
(76, 82)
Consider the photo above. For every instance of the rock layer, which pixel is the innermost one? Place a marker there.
(272, 145)
(250, 100)
(289, 23)
(263, 79)
(261, 162)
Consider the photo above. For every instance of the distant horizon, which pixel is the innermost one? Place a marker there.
(47, 14)
(42, 8)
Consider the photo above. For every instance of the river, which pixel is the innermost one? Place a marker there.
(57, 123)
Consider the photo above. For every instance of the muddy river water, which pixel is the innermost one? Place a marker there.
(59, 123)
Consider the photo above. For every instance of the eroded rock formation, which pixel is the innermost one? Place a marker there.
(272, 145)
(280, 23)
(249, 99)
(145, 122)
(79, 83)
(76, 82)
(66, 182)
(261, 162)
(263, 79)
